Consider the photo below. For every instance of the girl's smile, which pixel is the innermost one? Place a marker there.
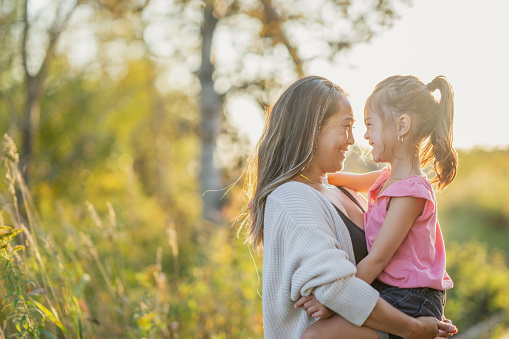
(378, 140)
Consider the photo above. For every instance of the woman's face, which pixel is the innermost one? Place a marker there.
(334, 139)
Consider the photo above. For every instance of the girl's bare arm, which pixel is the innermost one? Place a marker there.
(358, 182)
(400, 217)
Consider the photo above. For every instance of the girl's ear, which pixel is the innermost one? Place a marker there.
(403, 123)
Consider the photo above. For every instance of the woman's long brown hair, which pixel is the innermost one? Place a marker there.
(287, 145)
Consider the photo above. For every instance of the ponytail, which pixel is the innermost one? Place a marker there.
(432, 131)
(438, 150)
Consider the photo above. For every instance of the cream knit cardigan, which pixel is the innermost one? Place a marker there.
(307, 250)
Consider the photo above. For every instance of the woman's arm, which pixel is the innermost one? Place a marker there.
(400, 217)
(357, 182)
(384, 317)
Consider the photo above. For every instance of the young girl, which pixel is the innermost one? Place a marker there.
(409, 129)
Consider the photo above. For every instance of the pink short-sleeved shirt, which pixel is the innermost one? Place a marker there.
(420, 259)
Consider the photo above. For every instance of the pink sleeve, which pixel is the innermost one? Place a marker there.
(417, 187)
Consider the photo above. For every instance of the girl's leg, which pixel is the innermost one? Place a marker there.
(337, 327)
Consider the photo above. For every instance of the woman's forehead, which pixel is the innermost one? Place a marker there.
(345, 110)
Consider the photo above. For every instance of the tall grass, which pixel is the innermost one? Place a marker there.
(70, 289)
(82, 285)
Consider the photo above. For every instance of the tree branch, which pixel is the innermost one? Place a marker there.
(54, 34)
(274, 26)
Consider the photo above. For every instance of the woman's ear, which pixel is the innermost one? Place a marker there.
(403, 123)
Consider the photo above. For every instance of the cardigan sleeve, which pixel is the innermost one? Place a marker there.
(314, 263)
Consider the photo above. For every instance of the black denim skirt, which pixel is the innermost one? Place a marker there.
(415, 302)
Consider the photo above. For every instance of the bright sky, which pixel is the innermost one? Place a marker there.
(461, 39)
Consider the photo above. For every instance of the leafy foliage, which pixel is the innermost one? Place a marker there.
(475, 207)
(481, 289)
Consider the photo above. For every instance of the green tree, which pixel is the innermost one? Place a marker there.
(269, 44)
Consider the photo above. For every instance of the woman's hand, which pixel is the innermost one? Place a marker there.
(442, 334)
(313, 307)
(429, 327)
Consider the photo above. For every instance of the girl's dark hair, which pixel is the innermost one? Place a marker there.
(288, 143)
(432, 119)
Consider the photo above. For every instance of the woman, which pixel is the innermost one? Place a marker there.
(298, 218)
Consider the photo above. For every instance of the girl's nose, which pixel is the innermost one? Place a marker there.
(366, 135)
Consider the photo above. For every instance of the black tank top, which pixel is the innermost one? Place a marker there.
(357, 234)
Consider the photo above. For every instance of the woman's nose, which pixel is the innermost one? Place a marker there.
(351, 139)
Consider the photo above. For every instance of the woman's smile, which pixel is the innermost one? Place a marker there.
(334, 140)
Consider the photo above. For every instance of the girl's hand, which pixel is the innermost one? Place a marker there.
(313, 307)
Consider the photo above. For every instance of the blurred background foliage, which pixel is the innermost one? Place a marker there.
(116, 116)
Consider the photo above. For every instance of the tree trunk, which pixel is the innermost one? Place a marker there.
(29, 123)
(34, 82)
(211, 106)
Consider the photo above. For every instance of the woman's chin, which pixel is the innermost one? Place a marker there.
(339, 168)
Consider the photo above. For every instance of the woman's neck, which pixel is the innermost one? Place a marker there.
(317, 180)
(313, 176)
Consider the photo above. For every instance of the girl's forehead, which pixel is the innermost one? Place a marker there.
(371, 114)
(368, 112)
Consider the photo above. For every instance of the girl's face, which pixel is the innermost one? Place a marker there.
(380, 137)
(334, 139)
